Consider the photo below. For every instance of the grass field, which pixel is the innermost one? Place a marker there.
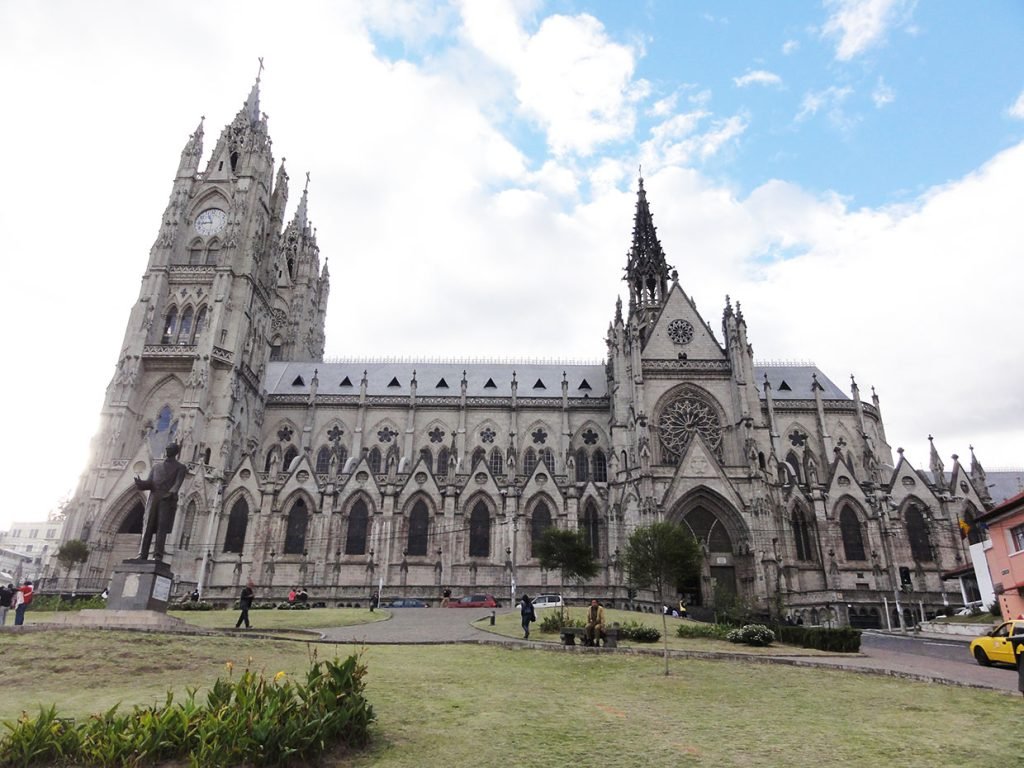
(469, 705)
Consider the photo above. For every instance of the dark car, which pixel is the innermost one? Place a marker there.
(474, 601)
(403, 602)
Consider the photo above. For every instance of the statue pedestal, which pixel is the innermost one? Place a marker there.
(140, 585)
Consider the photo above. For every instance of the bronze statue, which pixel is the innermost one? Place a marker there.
(163, 483)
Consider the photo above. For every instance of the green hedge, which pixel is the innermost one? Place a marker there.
(839, 640)
(254, 721)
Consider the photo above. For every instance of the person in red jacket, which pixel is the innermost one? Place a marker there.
(23, 603)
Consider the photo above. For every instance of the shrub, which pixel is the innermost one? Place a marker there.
(197, 605)
(700, 629)
(254, 721)
(60, 603)
(751, 634)
(839, 640)
(640, 633)
(552, 622)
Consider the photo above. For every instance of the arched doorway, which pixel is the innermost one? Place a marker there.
(719, 530)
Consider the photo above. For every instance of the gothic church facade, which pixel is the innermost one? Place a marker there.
(341, 476)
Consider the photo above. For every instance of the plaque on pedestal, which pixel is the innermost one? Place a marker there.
(140, 585)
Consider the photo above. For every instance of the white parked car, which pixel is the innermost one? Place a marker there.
(547, 601)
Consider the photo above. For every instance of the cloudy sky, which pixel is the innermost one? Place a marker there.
(851, 171)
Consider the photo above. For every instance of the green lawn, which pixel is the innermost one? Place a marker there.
(471, 705)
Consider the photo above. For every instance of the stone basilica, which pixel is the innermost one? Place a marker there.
(343, 476)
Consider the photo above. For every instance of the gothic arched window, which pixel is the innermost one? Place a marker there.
(428, 459)
(213, 253)
(442, 462)
(496, 462)
(295, 533)
(479, 454)
(582, 466)
(195, 253)
(187, 525)
(132, 522)
(289, 457)
(342, 453)
(419, 526)
(373, 459)
(323, 460)
(801, 535)
(591, 529)
(548, 457)
(201, 319)
(271, 455)
(529, 461)
(238, 522)
(600, 466)
(355, 539)
(185, 328)
(540, 521)
(708, 529)
(853, 539)
(917, 532)
(480, 531)
(794, 465)
(170, 326)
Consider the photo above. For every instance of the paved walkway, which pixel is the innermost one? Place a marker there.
(453, 625)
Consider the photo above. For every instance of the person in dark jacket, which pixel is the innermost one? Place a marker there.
(244, 604)
(528, 615)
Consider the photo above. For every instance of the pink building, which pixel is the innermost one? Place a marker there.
(1006, 556)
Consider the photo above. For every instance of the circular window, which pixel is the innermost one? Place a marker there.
(684, 418)
(680, 331)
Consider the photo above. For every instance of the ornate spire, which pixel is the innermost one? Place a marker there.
(647, 271)
(979, 477)
(935, 464)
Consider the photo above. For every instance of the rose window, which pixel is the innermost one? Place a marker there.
(680, 331)
(684, 418)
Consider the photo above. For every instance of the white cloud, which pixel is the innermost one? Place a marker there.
(1017, 108)
(830, 99)
(570, 78)
(790, 47)
(757, 77)
(882, 94)
(858, 25)
(663, 107)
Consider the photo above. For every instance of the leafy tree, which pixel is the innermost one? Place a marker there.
(72, 552)
(567, 552)
(660, 557)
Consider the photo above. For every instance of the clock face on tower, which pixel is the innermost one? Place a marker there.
(211, 221)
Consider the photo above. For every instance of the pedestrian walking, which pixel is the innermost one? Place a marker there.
(6, 594)
(528, 615)
(244, 604)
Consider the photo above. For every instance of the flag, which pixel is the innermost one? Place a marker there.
(965, 528)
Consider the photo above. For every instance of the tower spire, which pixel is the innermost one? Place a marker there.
(647, 271)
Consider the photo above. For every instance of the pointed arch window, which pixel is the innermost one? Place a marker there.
(428, 459)
(479, 454)
(442, 462)
(272, 454)
(170, 326)
(802, 535)
(132, 522)
(591, 528)
(185, 327)
(600, 466)
(582, 466)
(289, 457)
(529, 461)
(708, 529)
(187, 525)
(195, 253)
(342, 453)
(917, 532)
(373, 459)
(540, 521)
(853, 538)
(394, 457)
(419, 527)
(323, 460)
(202, 316)
(355, 538)
(496, 462)
(295, 533)
(213, 254)
(480, 531)
(794, 465)
(548, 457)
(238, 522)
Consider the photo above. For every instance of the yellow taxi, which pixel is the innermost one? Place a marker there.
(996, 646)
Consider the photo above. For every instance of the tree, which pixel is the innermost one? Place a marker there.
(660, 557)
(569, 553)
(72, 552)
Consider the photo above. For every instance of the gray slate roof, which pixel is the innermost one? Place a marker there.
(380, 377)
(797, 380)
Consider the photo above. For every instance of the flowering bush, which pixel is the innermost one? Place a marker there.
(751, 634)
